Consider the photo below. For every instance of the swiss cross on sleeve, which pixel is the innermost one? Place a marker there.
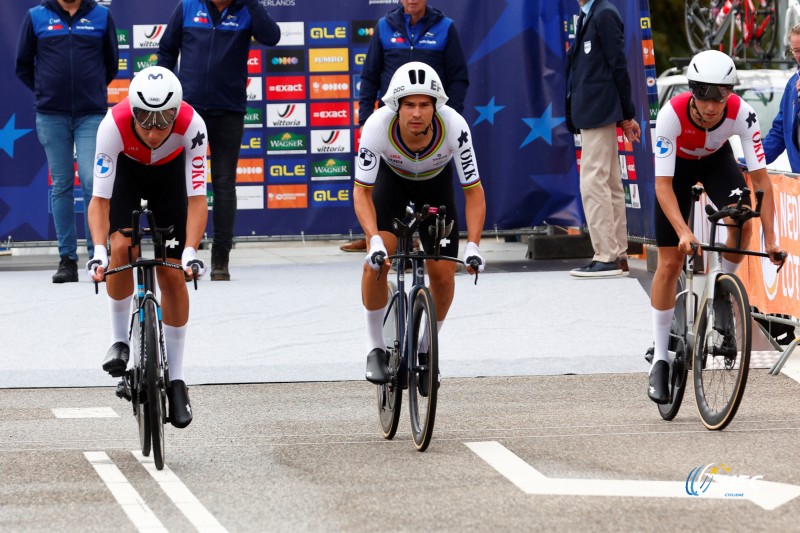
(464, 138)
(198, 140)
(751, 119)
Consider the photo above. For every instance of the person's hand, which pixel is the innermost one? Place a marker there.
(377, 253)
(472, 253)
(631, 130)
(776, 255)
(686, 242)
(188, 259)
(96, 266)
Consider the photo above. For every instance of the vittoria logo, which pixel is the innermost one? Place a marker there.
(147, 36)
(330, 141)
(254, 91)
(290, 115)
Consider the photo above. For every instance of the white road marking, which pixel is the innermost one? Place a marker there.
(129, 499)
(766, 494)
(181, 496)
(85, 412)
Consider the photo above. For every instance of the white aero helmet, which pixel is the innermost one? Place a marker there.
(155, 95)
(414, 78)
(712, 75)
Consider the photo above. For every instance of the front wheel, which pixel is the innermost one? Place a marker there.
(154, 382)
(390, 394)
(678, 348)
(700, 23)
(423, 383)
(138, 394)
(722, 352)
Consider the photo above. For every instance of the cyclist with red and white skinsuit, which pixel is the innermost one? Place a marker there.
(151, 146)
(692, 133)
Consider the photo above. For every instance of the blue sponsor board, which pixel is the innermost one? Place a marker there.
(331, 195)
(252, 143)
(287, 170)
(326, 33)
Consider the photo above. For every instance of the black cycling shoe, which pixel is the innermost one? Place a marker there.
(180, 409)
(116, 360)
(378, 367)
(658, 390)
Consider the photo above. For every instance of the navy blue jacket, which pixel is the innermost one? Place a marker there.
(213, 47)
(434, 41)
(66, 61)
(598, 85)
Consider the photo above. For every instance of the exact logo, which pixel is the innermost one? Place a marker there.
(286, 87)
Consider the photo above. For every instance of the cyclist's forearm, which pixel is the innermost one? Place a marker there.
(196, 220)
(761, 181)
(475, 201)
(365, 211)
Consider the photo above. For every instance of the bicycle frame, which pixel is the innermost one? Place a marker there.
(742, 13)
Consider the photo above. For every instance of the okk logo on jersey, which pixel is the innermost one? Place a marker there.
(290, 115)
(147, 35)
(330, 141)
(254, 91)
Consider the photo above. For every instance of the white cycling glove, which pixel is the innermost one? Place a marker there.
(471, 252)
(100, 259)
(189, 258)
(377, 253)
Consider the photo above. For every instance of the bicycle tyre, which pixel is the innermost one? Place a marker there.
(722, 353)
(155, 406)
(137, 374)
(765, 35)
(699, 24)
(423, 408)
(390, 394)
(679, 369)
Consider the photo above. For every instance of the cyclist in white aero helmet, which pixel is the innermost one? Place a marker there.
(410, 151)
(155, 95)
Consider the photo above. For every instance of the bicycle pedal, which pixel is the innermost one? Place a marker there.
(123, 392)
(648, 356)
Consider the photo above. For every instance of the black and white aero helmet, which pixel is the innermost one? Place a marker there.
(414, 78)
(155, 95)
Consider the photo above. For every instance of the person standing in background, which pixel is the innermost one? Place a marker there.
(412, 32)
(784, 135)
(67, 55)
(212, 38)
(599, 100)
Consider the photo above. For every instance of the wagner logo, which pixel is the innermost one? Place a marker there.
(118, 90)
(331, 195)
(123, 39)
(330, 87)
(330, 114)
(286, 87)
(142, 62)
(286, 60)
(254, 91)
(330, 141)
(292, 34)
(286, 115)
(287, 171)
(253, 117)
(362, 31)
(254, 60)
(250, 170)
(287, 143)
(328, 60)
(327, 32)
(331, 170)
(147, 35)
(287, 196)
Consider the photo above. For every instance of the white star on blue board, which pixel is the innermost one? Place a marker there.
(487, 112)
(9, 134)
(542, 126)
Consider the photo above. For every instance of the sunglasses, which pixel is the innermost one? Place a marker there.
(708, 91)
(159, 119)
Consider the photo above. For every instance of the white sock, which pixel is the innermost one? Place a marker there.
(120, 318)
(174, 339)
(375, 329)
(662, 320)
(729, 267)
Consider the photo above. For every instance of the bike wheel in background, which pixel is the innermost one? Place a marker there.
(155, 407)
(722, 353)
(423, 383)
(764, 35)
(677, 348)
(391, 394)
(700, 23)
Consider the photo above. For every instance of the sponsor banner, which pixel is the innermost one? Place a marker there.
(147, 35)
(623, 144)
(287, 170)
(252, 143)
(292, 34)
(361, 31)
(325, 33)
(356, 106)
(358, 56)
(124, 64)
(250, 170)
(287, 143)
(648, 55)
(650, 80)
(331, 195)
(330, 141)
(289, 115)
(143, 61)
(123, 39)
(287, 196)
(630, 167)
(250, 197)
(328, 60)
(254, 91)
(253, 117)
(330, 114)
(329, 87)
(636, 202)
(356, 86)
(255, 60)
(118, 91)
(286, 87)
(331, 169)
(286, 60)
